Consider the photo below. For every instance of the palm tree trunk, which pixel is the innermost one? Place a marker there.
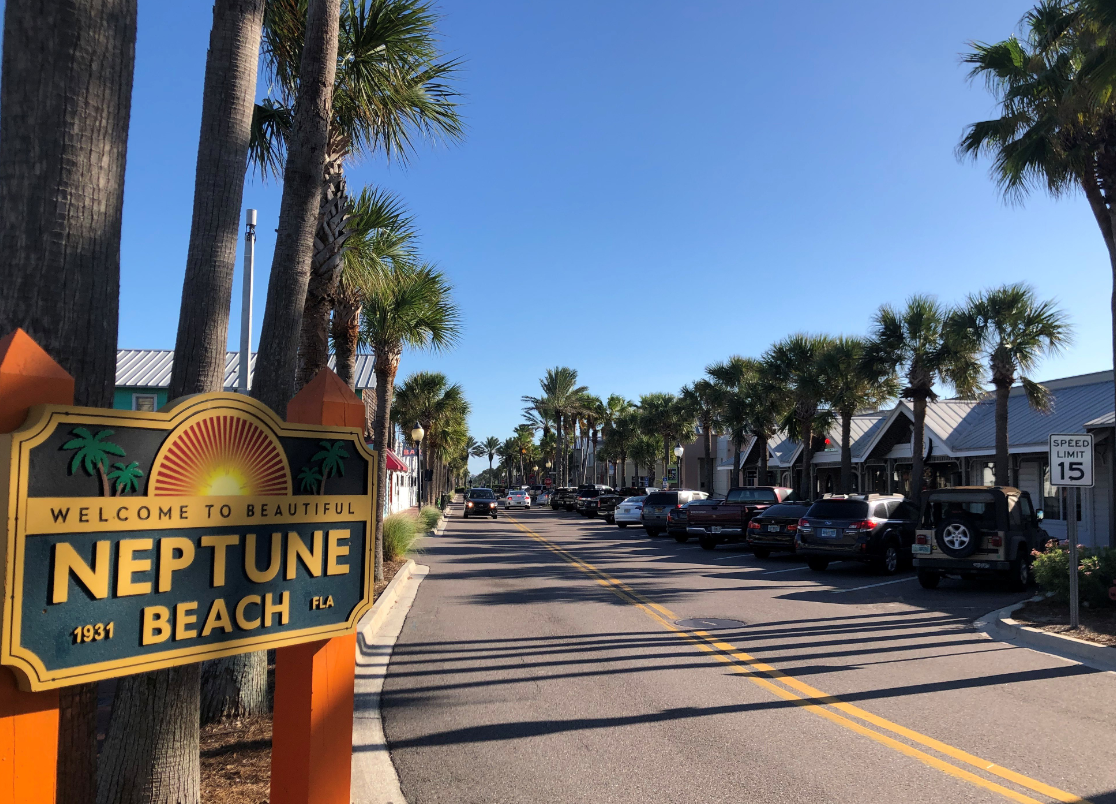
(708, 460)
(227, 103)
(737, 480)
(846, 451)
(325, 270)
(386, 366)
(623, 469)
(807, 431)
(1003, 393)
(346, 334)
(234, 688)
(298, 210)
(65, 105)
(917, 455)
(764, 474)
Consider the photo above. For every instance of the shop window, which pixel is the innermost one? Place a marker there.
(1054, 499)
(145, 402)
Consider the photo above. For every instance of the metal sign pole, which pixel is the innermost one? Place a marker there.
(1071, 532)
(246, 300)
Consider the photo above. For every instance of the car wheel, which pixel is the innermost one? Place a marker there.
(761, 552)
(1020, 578)
(888, 563)
(621, 524)
(708, 542)
(928, 579)
(651, 533)
(494, 516)
(682, 538)
(957, 536)
(465, 515)
(817, 564)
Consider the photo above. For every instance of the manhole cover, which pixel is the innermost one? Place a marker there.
(708, 624)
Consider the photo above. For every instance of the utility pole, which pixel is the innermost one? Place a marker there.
(246, 300)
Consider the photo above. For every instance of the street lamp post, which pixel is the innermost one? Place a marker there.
(678, 455)
(416, 435)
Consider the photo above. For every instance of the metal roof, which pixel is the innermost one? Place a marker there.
(151, 368)
(1107, 420)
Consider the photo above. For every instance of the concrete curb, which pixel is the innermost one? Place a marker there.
(374, 780)
(999, 625)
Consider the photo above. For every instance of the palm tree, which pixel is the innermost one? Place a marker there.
(592, 411)
(92, 453)
(853, 386)
(379, 233)
(412, 308)
(1057, 125)
(491, 445)
(306, 144)
(662, 415)
(390, 89)
(333, 455)
(226, 121)
(311, 478)
(430, 399)
(913, 342)
(798, 362)
(127, 477)
(731, 380)
(1011, 330)
(616, 410)
(63, 143)
(645, 451)
(560, 398)
(702, 402)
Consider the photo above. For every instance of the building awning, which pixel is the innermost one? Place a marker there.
(394, 464)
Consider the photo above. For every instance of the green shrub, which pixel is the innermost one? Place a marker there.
(401, 531)
(1096, 574)
(429, 516)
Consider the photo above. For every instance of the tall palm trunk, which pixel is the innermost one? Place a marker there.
(227, 103)
(234, 687)
(917, 455)
(807, 462)
(386, 365)
(846, 451)
(346, 333)
(736, 479)
(764, 473)
(623, 469)
(65, 104)
(1003, 394)
(708, 458)
(298, 210)
(325, 270)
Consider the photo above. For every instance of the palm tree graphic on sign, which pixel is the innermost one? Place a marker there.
(127, 477)
(333, 460)
(92, 454)
(310, 477)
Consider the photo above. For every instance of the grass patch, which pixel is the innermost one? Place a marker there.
(429, 516)
(401, 531)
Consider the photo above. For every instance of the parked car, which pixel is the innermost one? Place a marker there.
(658, 503)
(606, 504)
(775, 528)
(563, 499)
(543, 498)
(589, 499)
(876, 529)
(627, 512)
(678, 518)
(517, 498)
(977, 531)
(481, 502)
(535, 490)
(634, 491)
(727, 520)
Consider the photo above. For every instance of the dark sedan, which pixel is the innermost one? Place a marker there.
(774, 528)
(481, 502)
(875, 529)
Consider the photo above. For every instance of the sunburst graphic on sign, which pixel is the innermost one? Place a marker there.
(220, 455)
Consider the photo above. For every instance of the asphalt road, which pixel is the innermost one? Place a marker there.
(541, 662)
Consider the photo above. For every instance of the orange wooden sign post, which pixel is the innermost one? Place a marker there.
(312, 727)
(28, 720)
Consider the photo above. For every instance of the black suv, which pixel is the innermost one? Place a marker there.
(563, 499)
(481, 502)
(589, 499)
(978, 531)
(872, 528)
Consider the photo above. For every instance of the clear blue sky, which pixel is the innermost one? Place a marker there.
(650, 186)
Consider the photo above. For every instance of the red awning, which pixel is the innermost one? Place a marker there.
(394, 464)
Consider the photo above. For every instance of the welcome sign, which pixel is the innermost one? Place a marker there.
(136, 541)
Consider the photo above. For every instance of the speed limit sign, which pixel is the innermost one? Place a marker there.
(1071, 460)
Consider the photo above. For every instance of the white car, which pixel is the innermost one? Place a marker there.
(543, 498)
(517, 498)
(629, 512)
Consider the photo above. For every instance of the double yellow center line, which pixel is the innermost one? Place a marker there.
(817, 702)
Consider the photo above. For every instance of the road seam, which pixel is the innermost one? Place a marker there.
(816, 700)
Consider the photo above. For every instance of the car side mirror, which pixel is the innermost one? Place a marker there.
(1039, 514)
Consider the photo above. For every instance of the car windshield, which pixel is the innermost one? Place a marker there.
(786, 511)
(517, 494)
(838, 509)
(590, 493)
(481, 494)
(662, 498)
(633, 500)
(752, 495)
(977, 508)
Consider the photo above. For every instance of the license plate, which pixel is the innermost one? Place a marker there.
(773, 528)
(715, 529)
(828, 533)
(658, 510)
(624, 510)
(923, 549)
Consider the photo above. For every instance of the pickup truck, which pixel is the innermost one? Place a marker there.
(727, 520)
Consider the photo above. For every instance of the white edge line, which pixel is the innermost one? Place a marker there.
(873, 585)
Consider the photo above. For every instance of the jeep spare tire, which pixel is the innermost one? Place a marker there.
(957, 536)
